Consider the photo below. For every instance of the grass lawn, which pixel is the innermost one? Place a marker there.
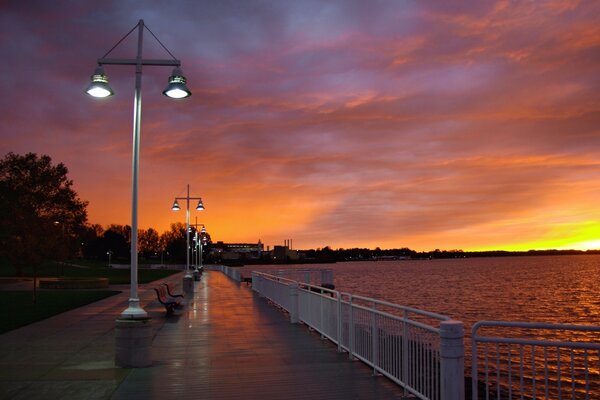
(19, 309)
(115, 276)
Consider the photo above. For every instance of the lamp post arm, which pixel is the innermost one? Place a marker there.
(134, 61)
(188, 198)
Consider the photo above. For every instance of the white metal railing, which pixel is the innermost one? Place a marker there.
(536, 361)
(314, 276)
(232, 272)
(421, 351)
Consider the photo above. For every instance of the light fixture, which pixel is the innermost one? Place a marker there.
(200, 206)
(99, 87)
(175, 206)
(176, 89)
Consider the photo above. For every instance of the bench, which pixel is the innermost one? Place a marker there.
(169, 303)
(247, 279)
(171, 295)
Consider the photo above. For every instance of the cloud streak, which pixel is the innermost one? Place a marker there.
(468, 125)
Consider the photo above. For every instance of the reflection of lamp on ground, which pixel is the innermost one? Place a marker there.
(188, 285)
(126, 355)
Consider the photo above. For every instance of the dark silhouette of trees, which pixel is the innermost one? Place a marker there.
(116, 239)
(41, 216)
(175, 242)
(148, 242)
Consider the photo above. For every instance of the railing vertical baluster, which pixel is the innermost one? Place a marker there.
(509, 371)
(572, 375)
(322, 322)
(533, 378)
(587, 377)
(487, 376)
(547, 389)
(497, 371)
(350, 328)
(405, 348)
(558, 374)
(374, 339)
(521, 385)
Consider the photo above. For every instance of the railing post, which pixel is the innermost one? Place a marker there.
(260, 287)
(452, 360)
(294, 319)
(375, 339)
(322, 322)
(339, 321)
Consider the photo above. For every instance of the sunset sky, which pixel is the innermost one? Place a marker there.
(425, 124)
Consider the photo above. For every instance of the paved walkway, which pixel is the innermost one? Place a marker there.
(226, 343)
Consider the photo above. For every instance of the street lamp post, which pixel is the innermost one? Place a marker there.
(187, 279)
(133, 333)
(99, 88)
(199, 241)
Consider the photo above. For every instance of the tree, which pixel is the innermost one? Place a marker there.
(41, 215)
(91, 239)
(116, 239)
(149, 243)
(175, 242)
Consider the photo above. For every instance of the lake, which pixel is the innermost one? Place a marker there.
(557, 289)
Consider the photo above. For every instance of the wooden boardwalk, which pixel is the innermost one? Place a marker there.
(226, 343)
(231, 344)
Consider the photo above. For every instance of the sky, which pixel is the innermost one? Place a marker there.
(470, 125)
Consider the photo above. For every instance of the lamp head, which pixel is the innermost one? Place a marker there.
(200, 205)
(176, 89)
(175, 206)
(99, 87)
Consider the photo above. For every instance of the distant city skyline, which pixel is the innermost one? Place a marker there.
(445, 124)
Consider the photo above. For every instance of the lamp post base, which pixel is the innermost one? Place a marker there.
(196, 275)
(133, 343)
(134, 311)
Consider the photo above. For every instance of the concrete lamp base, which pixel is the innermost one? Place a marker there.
(133, 339)
(188, 285)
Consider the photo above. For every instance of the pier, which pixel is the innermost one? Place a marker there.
(226, 343)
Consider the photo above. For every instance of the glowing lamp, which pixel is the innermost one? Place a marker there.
(176, 89)
(99, 87)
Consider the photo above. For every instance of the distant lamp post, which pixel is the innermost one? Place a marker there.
(109, 253)
(202, 243)
(199, 241)
(100, 88)
(199, 207)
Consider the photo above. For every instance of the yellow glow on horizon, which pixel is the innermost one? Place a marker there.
(583, 235)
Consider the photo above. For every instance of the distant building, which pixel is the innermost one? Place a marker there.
(237, 251)
(283, 254)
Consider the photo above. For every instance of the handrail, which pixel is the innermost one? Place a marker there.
(400, 307)
(478, 338)
(427, 361)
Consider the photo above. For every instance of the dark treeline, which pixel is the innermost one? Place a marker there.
(168, 247)
(327, 254)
